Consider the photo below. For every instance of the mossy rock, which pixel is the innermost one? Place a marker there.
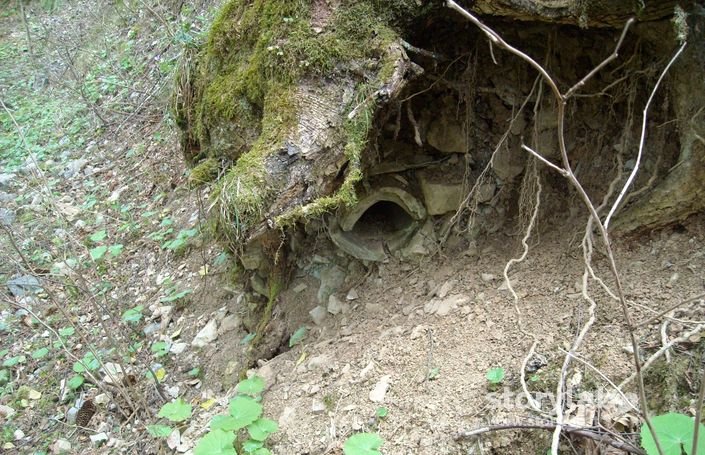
(270, 92)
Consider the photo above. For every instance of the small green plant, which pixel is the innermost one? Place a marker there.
(179, 243)
(133, 314)
(298, 336)
(228, 431)
(675, 434)
(363, 444)
(433, 374)
(495, 376)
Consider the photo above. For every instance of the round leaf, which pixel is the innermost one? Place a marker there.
(159, 431)
(76, 381)
(495, 375)
(363, 444)
(225, 423)
(260, 429)
(245, 411)
(176, 411)
(12, 361)
(98, 252)
(40, 353)
(216, 442)
(252, 386)
(674, 431)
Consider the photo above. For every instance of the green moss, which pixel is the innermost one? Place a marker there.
(205, 172)
(240, 197)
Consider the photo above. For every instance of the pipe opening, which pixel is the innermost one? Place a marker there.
(382, 219)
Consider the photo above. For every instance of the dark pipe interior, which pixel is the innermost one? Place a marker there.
(382, 219)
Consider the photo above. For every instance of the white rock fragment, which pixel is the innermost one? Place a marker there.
(174, 439)
(177, 348)
(488, 277)
(352, 295)
(318, 315)
(206, 335)
(229, 324)
(99, 438)
(335, 306)
(380, 389)
(6, 411)
(60, 446)
(318, 406)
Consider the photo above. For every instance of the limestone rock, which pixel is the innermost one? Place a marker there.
(331, 280)
(318, 315)
(447, 135)
(379, 391)
(441, 195)
(206, 335)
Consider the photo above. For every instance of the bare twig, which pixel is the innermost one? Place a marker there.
(698, 413)
(568, 429)
(683, 338)
(645, 113)
(667, 311)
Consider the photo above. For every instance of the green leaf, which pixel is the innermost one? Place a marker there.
(216, 442)
(98, 236)
(173, 245)
(262, 451)
(363, 444)
(12, 361)
(194, 372)
(160, 348)
(224, 422)
(433, 373)
(176, 296)
(89, 362)
(252, 386)
(4, 352)
(260, 429)
(245, 410)
(176, 411)
(675, 433)
(251, 446)
(98, 252)
(159, 431)
(40, 353)
(382, 412)
(247, 338)
(76, 381)
(133, 314)
(115, 249)
(298, 336)
(4, 377)
(495, 375)
(67, 331)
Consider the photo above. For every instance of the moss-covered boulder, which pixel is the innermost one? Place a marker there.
(283, 93)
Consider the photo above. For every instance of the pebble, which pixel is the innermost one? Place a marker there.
(488, 277)
(99, 438)
(228, 324)
(352, 295)
(60, 446)
(206, 335)
(318, 315)
(318, 406)
(379, 391)
(335, 306)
